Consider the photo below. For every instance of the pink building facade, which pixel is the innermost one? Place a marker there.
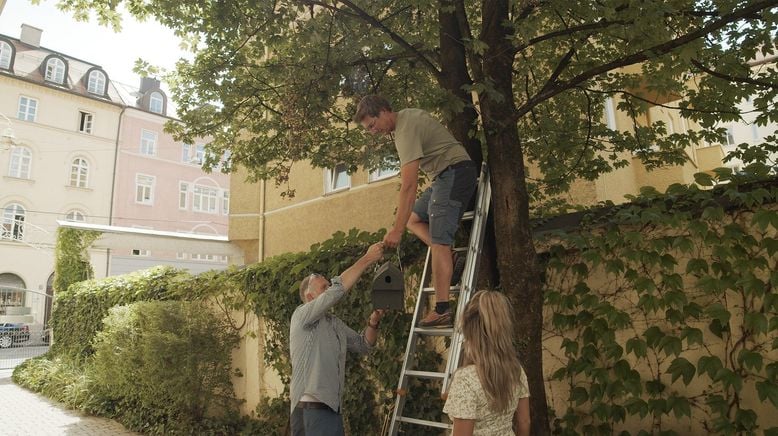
(159, 185)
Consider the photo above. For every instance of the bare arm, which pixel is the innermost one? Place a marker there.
(463, 427)
(409, 180)
(521, 419)
(352, 274)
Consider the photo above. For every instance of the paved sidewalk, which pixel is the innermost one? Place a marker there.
(28, 414)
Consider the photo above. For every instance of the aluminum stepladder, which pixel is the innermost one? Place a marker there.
(464, 289)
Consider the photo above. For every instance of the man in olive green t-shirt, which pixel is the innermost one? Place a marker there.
(423, 143)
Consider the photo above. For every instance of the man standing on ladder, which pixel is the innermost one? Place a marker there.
(422, 142)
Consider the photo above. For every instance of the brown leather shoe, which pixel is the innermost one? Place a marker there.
(435, 319)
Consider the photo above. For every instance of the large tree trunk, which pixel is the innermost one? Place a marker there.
(516, 258)
(454, 77)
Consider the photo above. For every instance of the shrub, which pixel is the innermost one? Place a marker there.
(166, 362)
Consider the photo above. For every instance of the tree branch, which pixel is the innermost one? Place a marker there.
(643, 55)
(729, 78)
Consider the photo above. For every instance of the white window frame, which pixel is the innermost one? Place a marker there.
(205, 199)
(156, 102)
(85, 121)
(226, 202)
(79, 173)
(148, 145)
(199, 154)
(96, 82)
(20, 162)
(386, 170)
(144, 189)
(141, 252)
(28, 108)
(729, 137)
(610, 113)
(6, 51)
(75, 215)
(186, 153)
(14, 215)
(336, 179)
(183, 195)
(55, 71)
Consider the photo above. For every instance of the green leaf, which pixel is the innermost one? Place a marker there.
(763, 218)
(719, 312)
(750, 359)
(756, 322)
(637, 347)
(696, 266)
(681, 367)
(671, 345)
(680, 406)
(692, 336)
(653, 335)
(579, 395)
(703, 179)
(709, 365)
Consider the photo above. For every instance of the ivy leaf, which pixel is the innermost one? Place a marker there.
(709, 365)
(680, 406)
(703, 179)
(671, 345)
(692, 336)
(696, 266)
(756, 322)
(681, 367)
(653, 335)
(636, 406)
(579, 395)
(763, 218)
(750, 359)
(719, 312)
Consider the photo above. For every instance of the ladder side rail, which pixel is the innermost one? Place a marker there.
(470, 275)
(410, 348)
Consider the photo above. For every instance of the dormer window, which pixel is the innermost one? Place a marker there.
(55, 70)
(6, 55)
(156, 102)
(96, 82)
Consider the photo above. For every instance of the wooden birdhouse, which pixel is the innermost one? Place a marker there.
(388, 288)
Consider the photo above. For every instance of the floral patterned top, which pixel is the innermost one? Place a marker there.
(467, 400)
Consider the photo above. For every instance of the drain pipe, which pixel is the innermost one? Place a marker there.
(113, 186)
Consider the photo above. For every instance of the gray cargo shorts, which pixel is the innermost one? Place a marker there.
(444, 202)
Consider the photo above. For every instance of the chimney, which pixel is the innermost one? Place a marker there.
(31, 35)
(148, 83)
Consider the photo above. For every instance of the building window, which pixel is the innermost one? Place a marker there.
(205, 199)
(730, 136)
(79, 173)
(199, 154)
(156, 102)
(75, 215)
(183, 194)
(610, 113)
(21, 160)
(141, 252)
(85, 122)
(96, 82)
(148, 142)
(226, 202)
(337, 178)
(6, 54)
(11, 291)
(388, 168)
(13, 222)
(144, 189)
(186, 153)
(27, 108)
(55, 70)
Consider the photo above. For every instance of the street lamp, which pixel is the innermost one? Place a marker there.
(7, 139)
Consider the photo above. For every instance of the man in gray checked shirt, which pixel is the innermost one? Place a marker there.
(318, 342)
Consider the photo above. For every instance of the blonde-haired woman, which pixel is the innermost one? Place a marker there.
(489, 395)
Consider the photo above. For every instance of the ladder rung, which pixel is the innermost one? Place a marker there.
(460, 249)
(424, 422)
(432, 331)
(451, 289)
(425, 374)
(468, 215)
